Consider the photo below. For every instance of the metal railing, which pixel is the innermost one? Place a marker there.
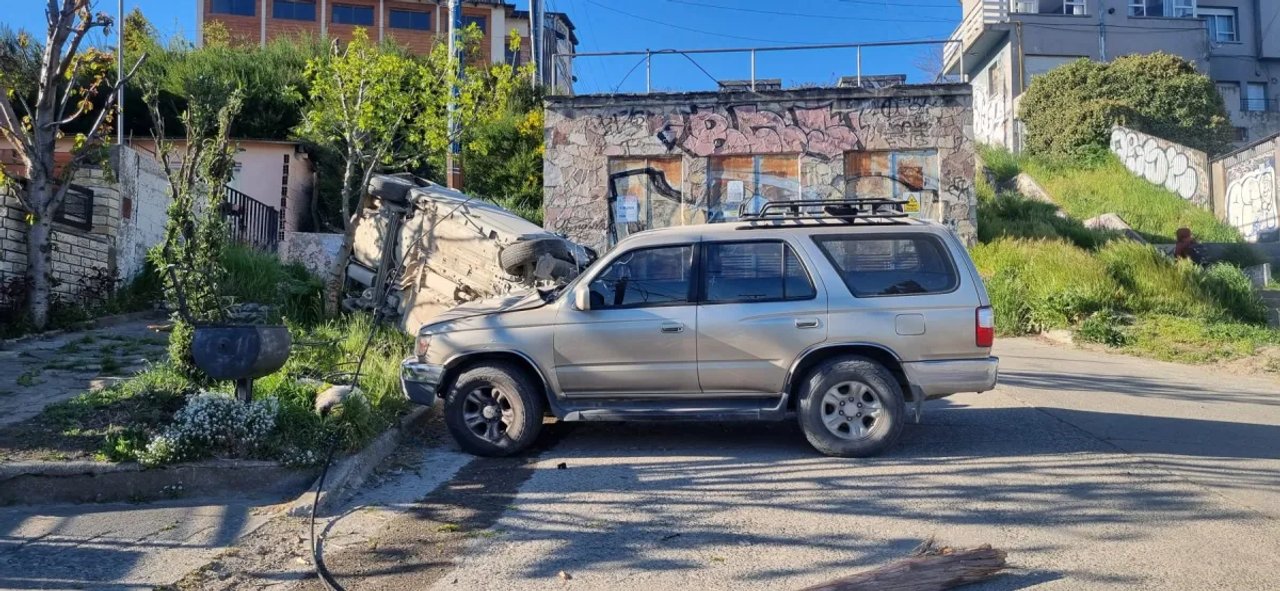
(250, 221)
(1257, 105)
(977, 15)
(649, 54)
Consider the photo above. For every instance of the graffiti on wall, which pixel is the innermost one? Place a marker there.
(1251, 197)
(709, 159)
(1178, 168)
(989, 108)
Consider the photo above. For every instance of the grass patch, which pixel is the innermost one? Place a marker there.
(259, 277)
(1189, 340)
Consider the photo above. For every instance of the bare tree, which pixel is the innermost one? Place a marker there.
(67, 83)
(929, 61)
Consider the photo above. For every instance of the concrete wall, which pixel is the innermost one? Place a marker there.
(144, 209)
(993, 94)
(667, 159)
(1178, 168)
(316, 251)
(1249, 193)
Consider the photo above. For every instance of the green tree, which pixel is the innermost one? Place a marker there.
(35, 113)
(1070, 110)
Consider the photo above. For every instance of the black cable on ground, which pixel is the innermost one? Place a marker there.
(316, 556)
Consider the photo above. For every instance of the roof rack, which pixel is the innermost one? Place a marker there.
(846, 210)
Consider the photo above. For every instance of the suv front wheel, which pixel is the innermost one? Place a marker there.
(494, 410)
(851, 407)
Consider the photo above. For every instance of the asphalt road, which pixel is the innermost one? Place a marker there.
(1093, 471)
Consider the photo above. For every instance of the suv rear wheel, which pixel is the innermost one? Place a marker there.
(851, 407)
(494, 410)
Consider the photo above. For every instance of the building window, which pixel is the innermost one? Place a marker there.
(1242, 134)
(233, 7)
(294, 10)
(909, 174)
(1071, 7)
(77, 209)
(1222, 23)
(479, 21)
(410, 19)
(748, 182)
(347, 14)
(1170, 8)
(1255, 97)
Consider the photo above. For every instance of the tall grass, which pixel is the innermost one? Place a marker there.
(1037, 285)
(260, 277)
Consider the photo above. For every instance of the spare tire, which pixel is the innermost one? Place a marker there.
(390, 189)
(523, 252)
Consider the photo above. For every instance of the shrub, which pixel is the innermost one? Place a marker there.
(1014, 216)
(1104, 327)
(1232, 290)
(1070, 110)
(1040, 284)
(211, 425)
(1002, 163)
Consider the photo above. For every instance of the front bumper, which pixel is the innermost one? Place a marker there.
(943, 378)
(420, 381)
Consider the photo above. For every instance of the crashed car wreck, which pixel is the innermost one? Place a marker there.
(420, 249)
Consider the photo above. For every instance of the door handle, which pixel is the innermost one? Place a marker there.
(672, 327)
(806, 323)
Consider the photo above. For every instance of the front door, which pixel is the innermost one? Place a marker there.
(759, 310)
(639, 339)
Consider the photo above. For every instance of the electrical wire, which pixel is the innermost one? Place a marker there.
(825, 16)
(690, 29)
(628, 75)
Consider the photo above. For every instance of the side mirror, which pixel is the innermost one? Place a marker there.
(582, 297)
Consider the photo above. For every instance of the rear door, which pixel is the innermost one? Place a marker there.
(759, 308)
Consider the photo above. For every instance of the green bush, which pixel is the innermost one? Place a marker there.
(1105, 327)
(1036, 285)
(1009, 215)
(180, 357)
(1070, 110)
(1232, 290)
(1002, 163)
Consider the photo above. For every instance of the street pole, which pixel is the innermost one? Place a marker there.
(535, 38)
(453, 173)
(120, 74)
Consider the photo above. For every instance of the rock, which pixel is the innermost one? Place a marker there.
(1115, 223)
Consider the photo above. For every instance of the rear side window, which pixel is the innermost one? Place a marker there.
(891, 265)
(753, 272)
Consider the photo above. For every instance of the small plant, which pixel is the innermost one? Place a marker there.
(27, 379)
(210, 425)
(122, 445)
(1105, 327)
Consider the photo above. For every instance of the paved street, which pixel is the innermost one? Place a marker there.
(1094, 471)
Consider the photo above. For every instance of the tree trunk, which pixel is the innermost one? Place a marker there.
(337, 274)
(40, 270)
(932, 569)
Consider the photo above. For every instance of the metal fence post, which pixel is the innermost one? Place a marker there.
(648, 71)
(554, 81)
(859, 66)
(753, 70)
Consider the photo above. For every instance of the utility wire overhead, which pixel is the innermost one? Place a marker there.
(820, 16)
(690, 29)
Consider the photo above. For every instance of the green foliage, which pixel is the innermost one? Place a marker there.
(1070, 110)
(1192, 340)
(504, 162)
(1013, 216)
(1232, 290)
(1036, 285)
(1002, 163)
(260, 277)
(180, 357)
(1104, 327)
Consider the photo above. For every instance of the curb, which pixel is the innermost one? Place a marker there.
(103, 322)
(348, 473)
(34, 483)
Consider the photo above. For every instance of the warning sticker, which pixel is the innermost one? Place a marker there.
(913, 205)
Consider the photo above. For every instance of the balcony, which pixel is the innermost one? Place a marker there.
(976, 34)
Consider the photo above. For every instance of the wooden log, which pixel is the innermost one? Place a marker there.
(930, 568)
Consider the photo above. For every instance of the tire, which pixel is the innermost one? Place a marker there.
(523, 252)
(563, 270)
(514, 423)
(390, 189)
(851, 385)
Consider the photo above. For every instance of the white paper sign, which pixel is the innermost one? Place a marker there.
(628, 210)
(736, 193)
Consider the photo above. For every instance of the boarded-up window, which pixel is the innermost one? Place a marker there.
(646, 193)
(750, 179)
(911, 175)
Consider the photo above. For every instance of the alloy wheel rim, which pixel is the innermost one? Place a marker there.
(851, 410)
(488, 413)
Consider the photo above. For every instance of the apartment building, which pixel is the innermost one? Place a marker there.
(1004, 44)
(416, 24)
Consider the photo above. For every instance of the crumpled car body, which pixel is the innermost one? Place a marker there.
(420, 249)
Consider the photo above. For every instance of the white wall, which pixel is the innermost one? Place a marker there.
(142, 182)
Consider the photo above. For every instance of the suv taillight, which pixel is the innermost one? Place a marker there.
(984, 326)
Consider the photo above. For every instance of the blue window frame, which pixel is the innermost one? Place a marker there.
(410, 19)
(234, 7)
(294, 10)
(479, 21)
(348, 14)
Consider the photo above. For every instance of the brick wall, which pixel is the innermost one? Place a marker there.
(419, 42)
(243, 29)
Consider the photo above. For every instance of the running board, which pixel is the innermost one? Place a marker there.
(751, 409)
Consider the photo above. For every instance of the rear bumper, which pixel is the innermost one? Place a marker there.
(942, 378)
(420, 381)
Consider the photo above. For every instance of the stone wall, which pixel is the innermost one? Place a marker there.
(1180, 169)
(618, 164)
(1249, 198)
(127, 218)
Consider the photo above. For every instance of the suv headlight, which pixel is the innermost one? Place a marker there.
(421, 345)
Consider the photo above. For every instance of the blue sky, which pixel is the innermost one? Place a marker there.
(620, 25)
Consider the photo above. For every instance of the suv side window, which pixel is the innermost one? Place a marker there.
(889, 265)
(645, 277)
(761, 271)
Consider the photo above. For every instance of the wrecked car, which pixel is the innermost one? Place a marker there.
(420, 249)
